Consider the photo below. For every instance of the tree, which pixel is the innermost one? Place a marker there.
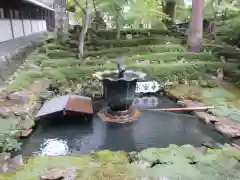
(150, 10)
(61, 20)
(195, 31)
(215, 10)
(83, 10)
(114, 9)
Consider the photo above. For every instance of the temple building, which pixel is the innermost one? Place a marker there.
(19, 18)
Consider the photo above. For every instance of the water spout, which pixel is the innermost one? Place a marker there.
(121, 67)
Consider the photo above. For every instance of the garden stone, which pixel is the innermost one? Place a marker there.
(59, 174)
(16, 161)
(232, 131)
(18, 97)
(36, 107)
(79, 89)
(4, 165)
(22, 113)
(4, 112)
(205, 117)
(46, 95)
(4, 156)
(27, 123)
(53, 174)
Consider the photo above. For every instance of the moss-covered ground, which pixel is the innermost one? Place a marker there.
(169, 63)
(173, 162)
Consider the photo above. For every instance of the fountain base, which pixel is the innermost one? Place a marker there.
(107, 115)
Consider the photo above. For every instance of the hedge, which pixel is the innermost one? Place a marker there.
(157, 58)
(60, 62)
(175, 56)
(114, 52)
(136, 42)
(57, 54)
(187, 70)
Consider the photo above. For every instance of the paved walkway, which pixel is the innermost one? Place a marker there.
(12, 45)
(12, 54)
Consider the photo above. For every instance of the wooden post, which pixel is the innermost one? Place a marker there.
(30, 17)
(10, 18)
(22, 18)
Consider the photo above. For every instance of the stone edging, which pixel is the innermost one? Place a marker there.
(223, 125)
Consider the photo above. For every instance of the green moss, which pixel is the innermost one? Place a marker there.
(57, 54)
(184, 91)
(225, 102)
(175, 162)
(23, 81)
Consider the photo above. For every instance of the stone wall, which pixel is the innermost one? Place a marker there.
(11, 29)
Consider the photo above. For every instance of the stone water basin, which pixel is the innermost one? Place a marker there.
(153, 129)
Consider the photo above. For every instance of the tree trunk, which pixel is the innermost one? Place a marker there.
(169, 9)
(118, 30)
(84, 31)
(61, 19)
(195, 31)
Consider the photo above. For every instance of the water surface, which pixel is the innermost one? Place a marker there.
(153, 129)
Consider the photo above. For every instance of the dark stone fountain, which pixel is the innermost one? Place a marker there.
(119, 92)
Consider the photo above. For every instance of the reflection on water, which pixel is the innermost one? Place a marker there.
(153, 129)
(54, 147)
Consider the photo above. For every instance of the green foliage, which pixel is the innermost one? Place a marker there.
(149, 9)
(231, 30)
(8, 141)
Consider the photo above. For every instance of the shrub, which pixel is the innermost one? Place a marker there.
(111, 34)
(231, 30)
(53, 46)
(38, 59)
(186, 70)
(8, 141)
(60, 63)
(114, 52)
(175, 56)
(136, 42)
(57, 54)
